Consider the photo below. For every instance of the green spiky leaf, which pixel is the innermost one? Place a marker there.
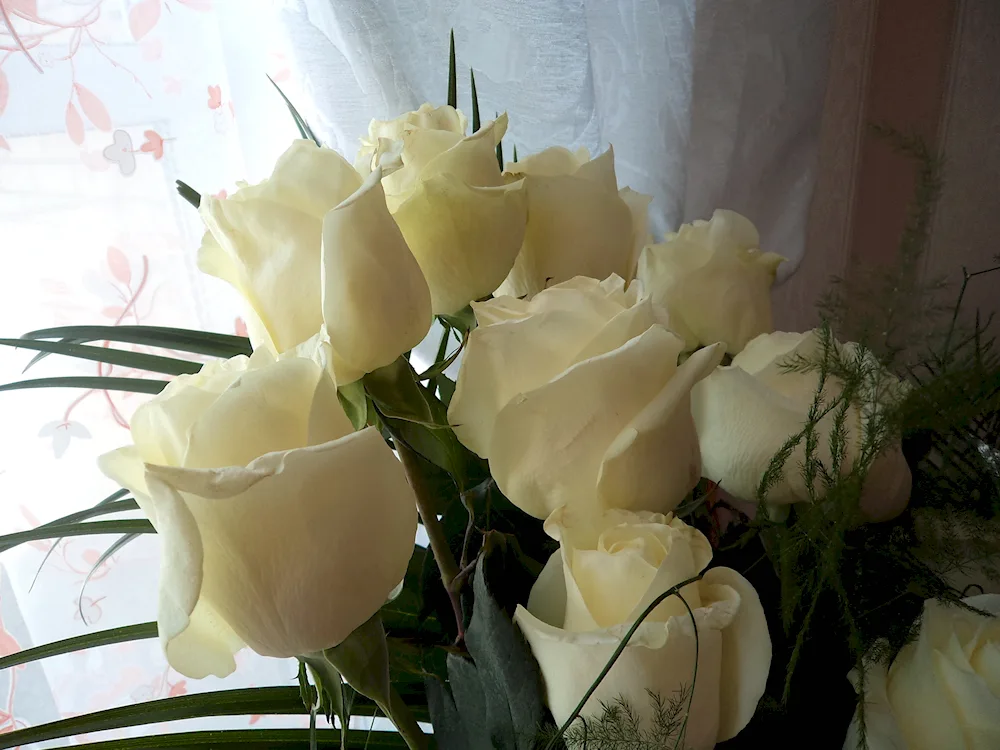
(94, 383)
(182, 339)
(452, 75)
(475, 101)
(124, 526)
(142, 631)
(188, 193)
(135, 360)
(304, 130)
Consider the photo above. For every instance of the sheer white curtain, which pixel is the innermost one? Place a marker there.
(708, 103)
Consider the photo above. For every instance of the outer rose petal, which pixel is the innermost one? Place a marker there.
(376, 304)
(284, 574)
(265, 241)
(638, 206)
(464, 238)
(741, 424)
(577, 226)
(547, 445)
(521, 345)
(746, 654)
(661, 437)
(881, 730)
(660, 658)
(553, 161)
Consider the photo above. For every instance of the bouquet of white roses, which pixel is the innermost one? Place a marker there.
(621, 411)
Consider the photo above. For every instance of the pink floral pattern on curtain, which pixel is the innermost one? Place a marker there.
(103, 105)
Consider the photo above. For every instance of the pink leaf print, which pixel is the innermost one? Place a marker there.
(202, 5)
(74, 124)
(254, 718)
(153, 144)
(28, 7)
(4, 144)
(91, 556)
(240, 327)
(119, 265)
(178, 688)
(93, 107)
(4, 91)
(113, 311)
(214, 97)
(143, 17)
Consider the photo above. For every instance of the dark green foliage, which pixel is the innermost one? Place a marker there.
(494, 698)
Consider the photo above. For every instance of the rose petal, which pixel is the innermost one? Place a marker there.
(547, 444)
(376, 304)
(662, 435)
(281, 542)
(464, 238)
(746, 654)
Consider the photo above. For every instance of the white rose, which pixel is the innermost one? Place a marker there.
(592, 591)
(712, 280)
(280, 527)
(462, 223)
(428, 117)
(575, 397)
(745, 412)
(312, 247)
(942, 691)
(579, 222)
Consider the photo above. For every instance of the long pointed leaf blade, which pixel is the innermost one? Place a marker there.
(452, 74)
(242, 702)
(115, 546)
(255, 739)
(499, 149)
(304, 130)
(108, 505)
(123, 526)
(135, 360)
(94, 383)
(188, 193)
(182, 339)
(475, 101)
(142, 631)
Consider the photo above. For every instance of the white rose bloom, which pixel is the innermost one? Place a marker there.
(280, 527)
(608, 570)
(579, 222)
(314, 246)
(745, 412)
(712, 280)
(942, 691)
(576, 399)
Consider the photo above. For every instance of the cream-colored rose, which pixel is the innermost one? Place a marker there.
(712, 280)
(463, 224)
(576, 399)
(280, 527)
(745, 412)
(427, 117)
(942, 691)
(579, 222)
(606, 573)
(313, 246)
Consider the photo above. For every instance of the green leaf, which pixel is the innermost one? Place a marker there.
(396, 393)
(452, 77)
(142, 631)
(254, 739)
(136, 360)
(94, 383)
(188, 193)
(110, 504)
(439, 367)
(499, 150)
(271, 700)
(363, 661)
(304, 130)
(115, 546)
(465, 319)
(514, 157)
(475, 101)
(355, 402)
(124, 526)
(497, 698)
(445, 388)
(182, 339)
(331, 689)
